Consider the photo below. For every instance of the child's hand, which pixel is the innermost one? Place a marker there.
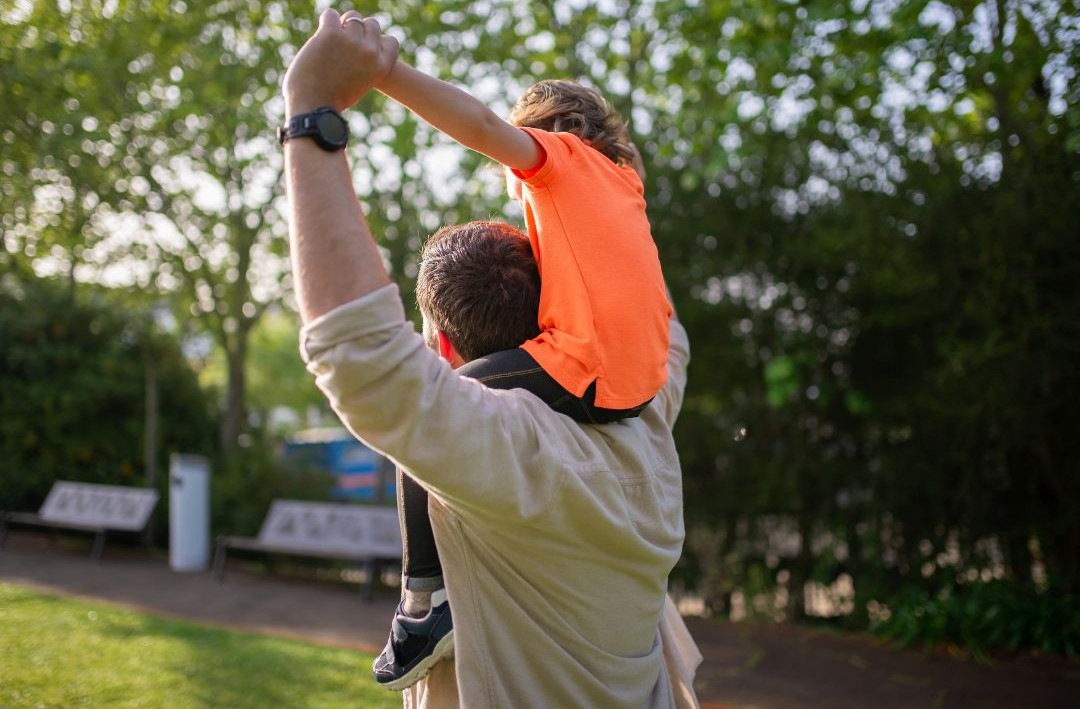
(347, 56)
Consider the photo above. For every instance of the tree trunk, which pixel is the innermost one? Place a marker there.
(150, 434)
(234, 422)
(1018, 557)
(860, 616)
(800, 570)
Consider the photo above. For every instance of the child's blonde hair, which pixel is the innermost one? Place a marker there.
(561, 105)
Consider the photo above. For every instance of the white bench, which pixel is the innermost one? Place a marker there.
(88, 507)
(322, 529)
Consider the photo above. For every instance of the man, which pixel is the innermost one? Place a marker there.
(556, 537)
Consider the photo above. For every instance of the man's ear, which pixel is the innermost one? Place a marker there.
(446, 347)
(448, 352)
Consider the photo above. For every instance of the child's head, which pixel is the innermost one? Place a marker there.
(561, 105)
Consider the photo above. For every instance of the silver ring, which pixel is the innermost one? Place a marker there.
(353, 18)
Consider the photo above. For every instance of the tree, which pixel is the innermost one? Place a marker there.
(161, 129)
(152, 162)
(278, 379)
(72, 392)
(816, 177)
(858, 206)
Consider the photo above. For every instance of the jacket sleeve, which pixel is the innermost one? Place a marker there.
(670, 398)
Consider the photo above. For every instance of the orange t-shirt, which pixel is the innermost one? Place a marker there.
(603, 307)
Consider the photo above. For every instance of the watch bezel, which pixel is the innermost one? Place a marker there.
(327, 142)
(320, 125)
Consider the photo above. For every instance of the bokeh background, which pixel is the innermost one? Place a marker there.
(867, 213)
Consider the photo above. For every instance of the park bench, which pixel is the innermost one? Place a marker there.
(365, 534)
(88, 507)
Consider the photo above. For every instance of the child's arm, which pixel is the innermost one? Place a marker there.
(461, 116)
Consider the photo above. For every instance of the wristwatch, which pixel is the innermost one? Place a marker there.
(324, 125)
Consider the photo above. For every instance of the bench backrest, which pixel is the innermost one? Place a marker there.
(326, 527)
(104, 506)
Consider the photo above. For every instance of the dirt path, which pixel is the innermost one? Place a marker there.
(786, 667)
(745, 667)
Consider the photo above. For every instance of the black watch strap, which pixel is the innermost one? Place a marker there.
(325, 125)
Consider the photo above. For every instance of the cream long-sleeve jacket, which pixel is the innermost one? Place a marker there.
(556, 538)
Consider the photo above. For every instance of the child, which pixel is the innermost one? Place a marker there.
(603, 313)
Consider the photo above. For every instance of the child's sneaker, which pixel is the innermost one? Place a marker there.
(415, 645)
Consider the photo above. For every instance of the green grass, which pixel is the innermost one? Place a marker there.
(59, 652)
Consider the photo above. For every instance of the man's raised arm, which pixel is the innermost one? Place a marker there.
(334, 256)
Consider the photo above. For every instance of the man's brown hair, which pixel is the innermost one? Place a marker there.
(479, 284)
(564, 106)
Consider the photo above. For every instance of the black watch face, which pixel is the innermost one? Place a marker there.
(332, 128)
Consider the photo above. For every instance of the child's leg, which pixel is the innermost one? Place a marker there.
(421, 571)
(420, 567)
(423, 622)
(507, 369)
(421, 632)
(422, 627)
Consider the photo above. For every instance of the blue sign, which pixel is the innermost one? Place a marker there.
(357, 469)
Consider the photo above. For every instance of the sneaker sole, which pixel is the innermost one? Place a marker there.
(443, 649)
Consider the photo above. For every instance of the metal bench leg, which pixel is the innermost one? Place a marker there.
(99, 545)
(221, 553)
(371, 568)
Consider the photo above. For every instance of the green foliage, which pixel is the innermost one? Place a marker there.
(72, 407)
(162, 115)
(59, 652)
(278, 376)
(72, 393)
(984, 617)
(862, 209)
(243, 487)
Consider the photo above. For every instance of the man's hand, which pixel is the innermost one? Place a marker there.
(346, 57)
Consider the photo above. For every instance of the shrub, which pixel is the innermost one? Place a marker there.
(984, 617)
(73, 393)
